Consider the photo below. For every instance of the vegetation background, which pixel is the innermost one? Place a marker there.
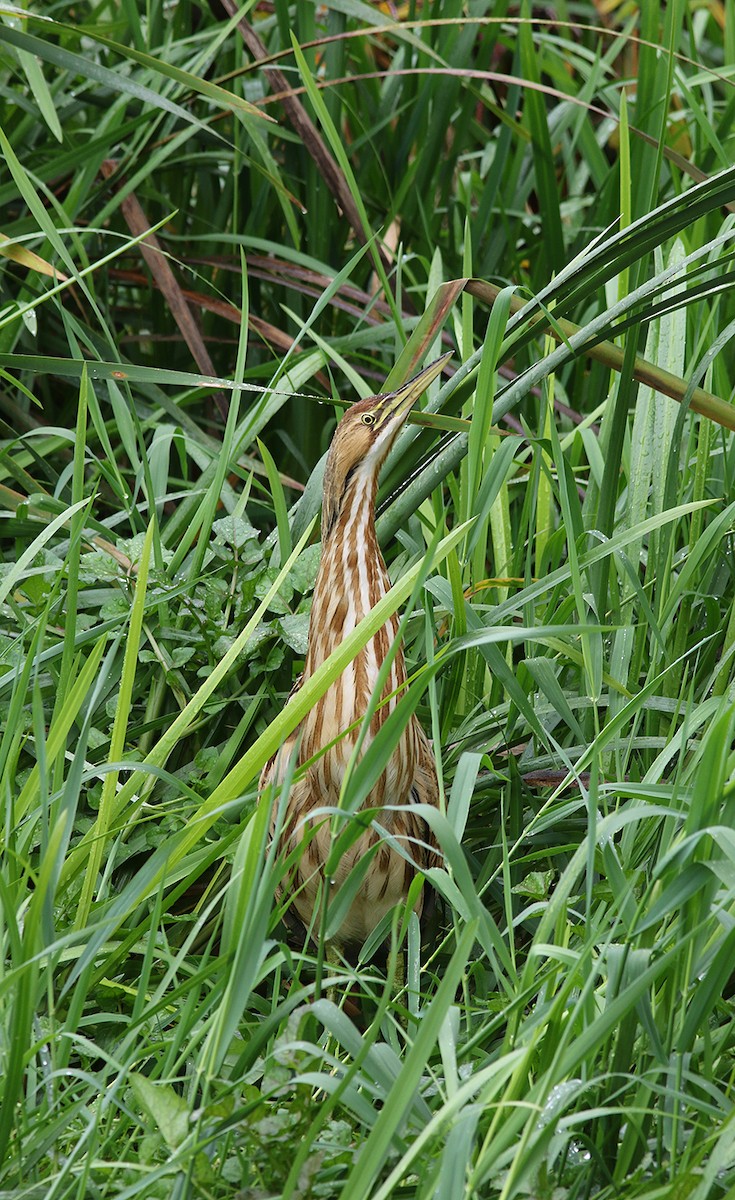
(339, 192)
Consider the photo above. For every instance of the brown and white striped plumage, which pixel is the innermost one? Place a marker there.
(352, 578)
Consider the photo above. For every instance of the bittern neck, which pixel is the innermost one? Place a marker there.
(352, 578)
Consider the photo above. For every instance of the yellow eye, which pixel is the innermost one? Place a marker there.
(368, 419)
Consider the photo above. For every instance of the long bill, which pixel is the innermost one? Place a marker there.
(394, 403)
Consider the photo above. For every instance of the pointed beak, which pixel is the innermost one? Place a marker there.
(400, 402)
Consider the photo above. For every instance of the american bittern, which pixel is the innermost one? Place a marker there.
(352, 578)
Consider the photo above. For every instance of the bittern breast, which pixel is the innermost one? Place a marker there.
(352, 579)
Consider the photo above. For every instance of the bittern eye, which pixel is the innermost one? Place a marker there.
(368, 419)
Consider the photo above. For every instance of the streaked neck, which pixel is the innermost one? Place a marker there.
(352, 575)
(352, 578)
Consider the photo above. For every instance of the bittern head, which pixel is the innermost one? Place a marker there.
(363, 438)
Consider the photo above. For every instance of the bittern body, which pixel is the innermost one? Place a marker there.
(352, 578)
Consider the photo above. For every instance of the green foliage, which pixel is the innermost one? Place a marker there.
(553, 200)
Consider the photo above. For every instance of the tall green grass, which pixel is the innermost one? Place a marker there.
(553, 200)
